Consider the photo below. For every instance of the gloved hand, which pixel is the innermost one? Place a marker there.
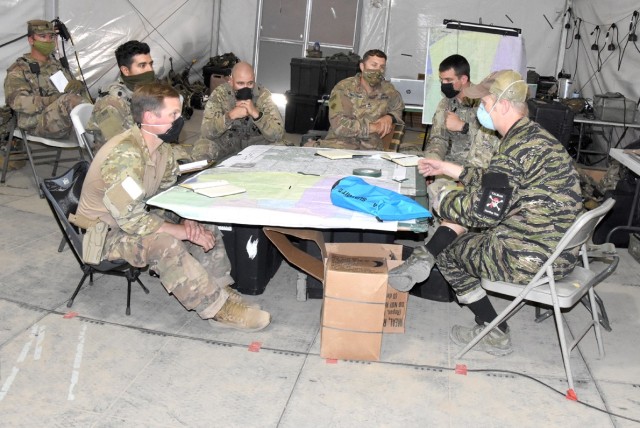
(74, 87)
(437, 190)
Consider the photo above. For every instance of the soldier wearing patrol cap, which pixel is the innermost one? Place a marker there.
(238, 114)
(522, 205)
(42, 109)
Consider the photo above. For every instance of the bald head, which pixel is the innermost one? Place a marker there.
(242, 76)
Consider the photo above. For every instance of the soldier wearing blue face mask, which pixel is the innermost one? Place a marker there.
(516, 210)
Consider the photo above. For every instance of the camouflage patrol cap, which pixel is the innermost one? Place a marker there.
(506, 84)
(40, 26)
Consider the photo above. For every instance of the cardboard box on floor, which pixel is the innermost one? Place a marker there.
(358, 304)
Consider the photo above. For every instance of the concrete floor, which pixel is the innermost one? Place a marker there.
(162, 366)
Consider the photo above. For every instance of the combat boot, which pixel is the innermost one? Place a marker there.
(236, 297)
(415, 269)
(241, 317)
(496, 342)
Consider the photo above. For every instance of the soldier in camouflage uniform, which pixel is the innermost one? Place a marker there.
(239, 113)
(455, 130)
(112, 112)
(364, 108)
(190, 257)
(41, 108)
(523, 203)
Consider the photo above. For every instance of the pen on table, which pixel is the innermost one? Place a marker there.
(289, 187)
(306, 173)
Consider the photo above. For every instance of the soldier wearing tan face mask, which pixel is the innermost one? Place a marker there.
(363, 109)
(42, 109)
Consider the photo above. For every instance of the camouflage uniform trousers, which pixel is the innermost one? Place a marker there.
(478, 255)
(54, 121)
(197, 279)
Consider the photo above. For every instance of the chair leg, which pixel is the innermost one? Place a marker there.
(596, 321)
(146, 290)
(31, 162)
(75, 293)
(128, 311)
(63, 242)
(56, 162)
(563, 342)
(541, 316)
(602, 312)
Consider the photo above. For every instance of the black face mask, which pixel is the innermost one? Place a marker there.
(171, 135)
(244, 94)
(447, 90)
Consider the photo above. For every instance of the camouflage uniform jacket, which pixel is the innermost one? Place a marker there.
(215, 124)
(28, 94)
(546, 195)
(474, 148)
(112, 113)
(352, 109)
(126, 157)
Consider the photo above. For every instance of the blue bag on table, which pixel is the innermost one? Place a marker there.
(386, 205)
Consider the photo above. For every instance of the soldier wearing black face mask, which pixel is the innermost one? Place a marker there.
(239, 114)
(456, 134)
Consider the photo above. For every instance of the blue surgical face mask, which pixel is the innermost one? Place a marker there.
(484, 117)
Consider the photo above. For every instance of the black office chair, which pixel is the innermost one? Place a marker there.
(62, 194)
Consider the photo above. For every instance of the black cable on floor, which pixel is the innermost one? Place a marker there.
(307, 353)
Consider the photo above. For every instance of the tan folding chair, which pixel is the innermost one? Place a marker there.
(563, 294)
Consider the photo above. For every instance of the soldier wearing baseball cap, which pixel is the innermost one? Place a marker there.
(505, 84)
(510, 216)
(42, 108)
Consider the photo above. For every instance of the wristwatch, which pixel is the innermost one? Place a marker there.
(465, 128)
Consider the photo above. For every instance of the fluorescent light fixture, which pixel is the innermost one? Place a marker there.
(482, 28)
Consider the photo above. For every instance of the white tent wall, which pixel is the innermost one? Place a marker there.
(587, 80)
(238, 23)
(405, 39)
(183, 31)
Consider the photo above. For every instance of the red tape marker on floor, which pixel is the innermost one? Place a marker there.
(70, 314)
(255, 346)
(331, 361)
(461, 369)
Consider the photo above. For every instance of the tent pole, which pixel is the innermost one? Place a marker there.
(563, 36)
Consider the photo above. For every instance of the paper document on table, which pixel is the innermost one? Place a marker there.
(59, 80)
(402, 158)
(194, 166)
(214, 189)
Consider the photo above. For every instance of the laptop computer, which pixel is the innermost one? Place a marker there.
(412, 91)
